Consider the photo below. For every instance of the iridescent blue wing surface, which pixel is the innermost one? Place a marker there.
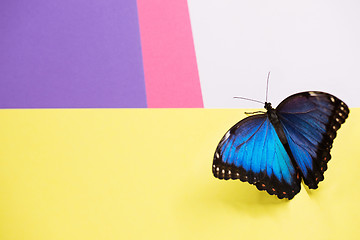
(252, 151)
(310, 121)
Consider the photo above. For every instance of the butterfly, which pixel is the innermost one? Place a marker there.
(279, 148)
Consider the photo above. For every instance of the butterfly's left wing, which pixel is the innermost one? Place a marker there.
(251, 151)
(310, 121)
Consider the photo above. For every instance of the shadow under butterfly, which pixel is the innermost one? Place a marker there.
(277, 149)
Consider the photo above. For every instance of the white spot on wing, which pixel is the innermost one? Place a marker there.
(227, 135)
(332, 99)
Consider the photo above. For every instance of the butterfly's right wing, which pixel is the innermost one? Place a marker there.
(251, 151)
(310, 121)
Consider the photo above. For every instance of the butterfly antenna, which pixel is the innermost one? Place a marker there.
(249, 99)
(267, 86)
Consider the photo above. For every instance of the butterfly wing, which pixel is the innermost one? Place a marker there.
(251, 151)
(310, 121)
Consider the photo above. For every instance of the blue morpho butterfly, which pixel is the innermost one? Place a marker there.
(276, 149)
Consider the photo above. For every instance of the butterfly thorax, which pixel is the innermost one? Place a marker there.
(274, 120)
(271, 112)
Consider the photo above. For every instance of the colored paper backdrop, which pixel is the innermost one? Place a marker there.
(307, 45)
(111, 54)
(146, 173)
(94, 54)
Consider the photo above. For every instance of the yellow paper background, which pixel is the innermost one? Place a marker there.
(146, 174)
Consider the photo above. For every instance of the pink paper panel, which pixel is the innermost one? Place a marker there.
(170, 68)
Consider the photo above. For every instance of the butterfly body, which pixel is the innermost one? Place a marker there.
(277, 149)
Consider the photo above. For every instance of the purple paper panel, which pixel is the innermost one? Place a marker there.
(70, 54)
